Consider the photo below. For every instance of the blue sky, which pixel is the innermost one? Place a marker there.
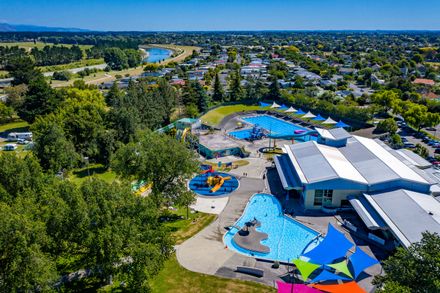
(181, 15)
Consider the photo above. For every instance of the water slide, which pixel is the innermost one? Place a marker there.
(184, 133)
(220, 182)
(293, 135)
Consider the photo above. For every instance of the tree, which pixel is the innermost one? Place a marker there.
(22, 70)
(167, 169)
(134, 57)
(236, 92)
(387, 125)
(217, 95)
(62, 75)
(418, 116)
(16, 95)
(51, 147)
(6, 113)
(274, 90)
(113, 95)
(116, 59)
(386, 99)
(40, 99)
(415, 269)
(421, 151)
(166, 96)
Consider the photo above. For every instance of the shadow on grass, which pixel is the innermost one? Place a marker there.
(90, 171)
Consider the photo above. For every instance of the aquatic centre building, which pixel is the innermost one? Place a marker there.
(390, 189)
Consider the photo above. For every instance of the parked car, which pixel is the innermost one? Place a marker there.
(409, 145)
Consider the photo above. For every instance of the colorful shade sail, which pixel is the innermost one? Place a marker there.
(295, 288)
(350, 287)
(359, 260)
(319, 118)
(290, 110)
(275, 105)
(342, 267)
(334, 246)
(264, 105)
(300, 112)
(328, 276)
(305, 268)
(341, 124)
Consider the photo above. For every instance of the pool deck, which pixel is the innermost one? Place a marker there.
(250, 239)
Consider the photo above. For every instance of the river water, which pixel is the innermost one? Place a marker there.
(157, 54)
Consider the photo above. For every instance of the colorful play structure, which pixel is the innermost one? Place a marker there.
(217, 181)
(328, 275)
(212, 183)
(140, 186)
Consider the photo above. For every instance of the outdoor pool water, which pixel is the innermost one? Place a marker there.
(199, 186)
(157, 54)
(272, 125)
(287, 238)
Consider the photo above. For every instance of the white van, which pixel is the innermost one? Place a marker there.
(14, 136)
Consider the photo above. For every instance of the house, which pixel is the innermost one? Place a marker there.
(424, 81)
(375, 79)
(387, 188)
(346, 71)
(327, 83)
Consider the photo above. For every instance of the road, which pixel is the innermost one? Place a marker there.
(76, 70)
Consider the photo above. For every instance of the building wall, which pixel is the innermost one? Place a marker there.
(338, 195)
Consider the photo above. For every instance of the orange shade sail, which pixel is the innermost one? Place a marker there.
(350, 287)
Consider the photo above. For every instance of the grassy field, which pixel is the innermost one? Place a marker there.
(18, 126)
(39, 45)
(215, 116)
(78, 64)
(174, 278)
(96, 170)
(184, 228)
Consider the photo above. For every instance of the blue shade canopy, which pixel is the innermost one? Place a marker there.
(334, 246)
(319, 118)
(328, 276)
(360, 261)
(341, 124)
(264, 105)
(300, 112)
(283, 107)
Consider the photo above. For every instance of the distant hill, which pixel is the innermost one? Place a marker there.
(6, 27)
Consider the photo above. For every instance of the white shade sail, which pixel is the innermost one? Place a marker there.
(275, 105)
(290, 110)
(329, 121)
(309, 115)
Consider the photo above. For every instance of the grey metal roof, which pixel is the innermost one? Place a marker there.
(367, 163)
(367, 213)
(339, 133)
(312, 162)
(405, 214)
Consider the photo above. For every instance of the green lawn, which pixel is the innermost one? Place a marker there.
(39, 45)
(174, 278)
(78, 64)
(215, 116)
(18, 126)
(183, 228)
(96, 170)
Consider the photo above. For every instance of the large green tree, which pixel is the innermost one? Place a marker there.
(217, 94)
(160, 160)
(416, 269)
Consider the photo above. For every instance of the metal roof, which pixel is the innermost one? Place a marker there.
(361, 160)
(334, 133)
(408, 214)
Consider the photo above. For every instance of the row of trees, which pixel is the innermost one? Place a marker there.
(54, 55)
(118, 59)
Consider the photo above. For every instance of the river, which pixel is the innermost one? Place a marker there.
(157, 54)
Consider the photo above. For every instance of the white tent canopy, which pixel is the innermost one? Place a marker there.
(275, 105)
(309, 115)
(290, 110)
(329, 121)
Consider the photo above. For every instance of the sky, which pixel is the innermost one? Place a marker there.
(198, 15)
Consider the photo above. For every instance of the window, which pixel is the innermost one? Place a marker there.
(323, 197)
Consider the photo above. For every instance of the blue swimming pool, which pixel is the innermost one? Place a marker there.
(272, 125)
(287, 238)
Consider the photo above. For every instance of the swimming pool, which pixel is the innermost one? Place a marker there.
(287, 238)
(272, 125)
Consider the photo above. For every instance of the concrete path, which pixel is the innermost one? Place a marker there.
(210, 205)
(206, 253)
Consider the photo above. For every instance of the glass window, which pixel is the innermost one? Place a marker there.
(323, 197)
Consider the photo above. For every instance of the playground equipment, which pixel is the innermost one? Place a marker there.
(184, 133)
(256, 133)
(217, 181)
(208, 170)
